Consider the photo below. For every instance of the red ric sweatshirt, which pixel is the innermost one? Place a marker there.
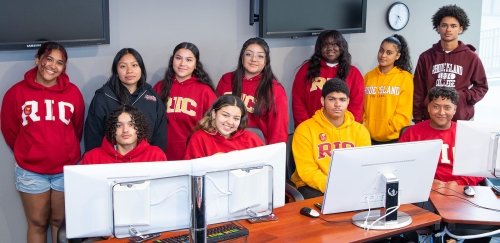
(43, 125)
(107, 154)
(424, 131)
(203, 143)
(274, 124)
(187, 103)
(306, 95)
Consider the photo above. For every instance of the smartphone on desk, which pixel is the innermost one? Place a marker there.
(142, 238)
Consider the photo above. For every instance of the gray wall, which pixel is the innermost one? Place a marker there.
(218, 28)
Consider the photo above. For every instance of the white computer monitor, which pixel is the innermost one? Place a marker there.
(356, 179)
(156, 196)
(476, 149)
(254, 191)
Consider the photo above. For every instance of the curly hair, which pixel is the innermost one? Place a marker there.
(264, 94)
(198, 72)
(344, 59)
(206, 123)
(451, 11)
(335, 85)
(404, 61)
(138, 119)
(443, 92)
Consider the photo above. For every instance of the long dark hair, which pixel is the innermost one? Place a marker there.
(404, 61)
(264, 94)
(344, 60)
(198, 72)
(114, 82)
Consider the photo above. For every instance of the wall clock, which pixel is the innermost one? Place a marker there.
(398, 15)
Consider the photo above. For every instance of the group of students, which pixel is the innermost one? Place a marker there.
(333, 106)
(348, 110)
(42, 119)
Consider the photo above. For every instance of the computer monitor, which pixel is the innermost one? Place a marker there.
(150, 196)
(476, 149)
(254, 177)
(359, 176)
(107, 199)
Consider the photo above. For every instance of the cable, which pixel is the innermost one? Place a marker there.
(179, 189)
(217, 187)
(368, 215)
(387, 212)
(466, 237)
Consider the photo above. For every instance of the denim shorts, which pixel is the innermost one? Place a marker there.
(34, 183)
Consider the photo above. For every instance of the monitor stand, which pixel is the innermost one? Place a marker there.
(198, 229)
(402, 220)
(392, 221)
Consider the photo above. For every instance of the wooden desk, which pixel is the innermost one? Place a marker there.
(456, 210)
(294, 227)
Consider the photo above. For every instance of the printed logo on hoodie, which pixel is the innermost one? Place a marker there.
(30, 110)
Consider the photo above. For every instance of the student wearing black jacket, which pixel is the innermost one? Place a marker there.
(127, 85)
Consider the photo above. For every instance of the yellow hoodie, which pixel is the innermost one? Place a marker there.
(388, 103)
(313, 142)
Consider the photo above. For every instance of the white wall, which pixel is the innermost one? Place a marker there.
(218, 28)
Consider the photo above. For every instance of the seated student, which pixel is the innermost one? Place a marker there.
(222, 129)
(331, 127)
(126, 133)
(441, 107)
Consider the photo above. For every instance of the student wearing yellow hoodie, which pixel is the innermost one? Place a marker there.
(331, 127)
(389, 91)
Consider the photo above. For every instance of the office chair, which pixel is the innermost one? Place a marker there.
(292, 194)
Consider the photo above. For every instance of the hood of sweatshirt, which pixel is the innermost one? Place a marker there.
(108, 92)
(321, 119)
(130, 156)
(461, 47)
(221, 139)
(61, 85)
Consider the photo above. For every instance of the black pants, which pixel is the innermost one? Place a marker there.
(309, 192)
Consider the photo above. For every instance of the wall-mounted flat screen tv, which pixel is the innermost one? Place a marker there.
(25, 24)
(297, 18)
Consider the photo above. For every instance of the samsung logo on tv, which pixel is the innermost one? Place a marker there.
(36, 45)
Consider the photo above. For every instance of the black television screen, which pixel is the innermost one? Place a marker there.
(295, 18)
(26, 24)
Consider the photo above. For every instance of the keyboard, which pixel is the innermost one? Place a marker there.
(214, 234)
(496, 189)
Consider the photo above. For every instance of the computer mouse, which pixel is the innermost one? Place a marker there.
(469, 191)
(309, 212)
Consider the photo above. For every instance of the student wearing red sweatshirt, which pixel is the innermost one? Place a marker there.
(222, 130)
(188, 92)
(441, 107)
(331, 59)
(263, 96)
(42, 122)
(125, 141)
